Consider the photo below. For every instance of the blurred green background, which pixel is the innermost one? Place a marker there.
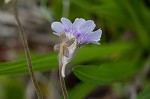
(117, 69)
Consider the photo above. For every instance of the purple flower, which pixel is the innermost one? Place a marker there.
(81, 30)
(73, 35)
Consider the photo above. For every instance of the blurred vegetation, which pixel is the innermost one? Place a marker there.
(122, 57)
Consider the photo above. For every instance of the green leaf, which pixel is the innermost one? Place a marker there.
(137, 24)
(145, 93)
(81, 90)
(48, 62)
(17, 87)
(40, 63)
(107, 72)
(82, 4)
(87, 53)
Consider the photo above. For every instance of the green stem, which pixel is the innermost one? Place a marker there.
(27, 52)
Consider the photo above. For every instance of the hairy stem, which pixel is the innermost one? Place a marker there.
(63, 86)
(27, 52)
(62, 80)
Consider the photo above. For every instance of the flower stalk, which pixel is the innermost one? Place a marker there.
(72, 36)
(62, 80)
(27, 52)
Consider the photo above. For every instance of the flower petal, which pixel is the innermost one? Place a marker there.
(77, 23)
(57, 47)
(94, 36)
(87, 26)
(94, 42)
(67, 23)
(57, 27)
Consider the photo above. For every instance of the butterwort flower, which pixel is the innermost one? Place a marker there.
(73, 36)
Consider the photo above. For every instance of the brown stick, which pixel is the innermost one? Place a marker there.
(27, 52)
